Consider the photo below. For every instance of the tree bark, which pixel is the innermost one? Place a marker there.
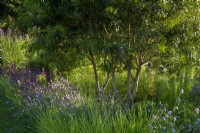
(128, 83)
(105, 84)
(96, 76)
(135, 84)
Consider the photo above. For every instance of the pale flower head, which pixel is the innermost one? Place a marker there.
(197, 110)
(179, 100)
(182, 91)
(169, 112)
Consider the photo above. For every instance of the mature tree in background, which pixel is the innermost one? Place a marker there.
(112, 34)
(145, 25)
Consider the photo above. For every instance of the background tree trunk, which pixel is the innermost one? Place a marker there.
(96, 76)
(135, 84)
(128, 82)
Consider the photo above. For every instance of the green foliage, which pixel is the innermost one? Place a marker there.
(41, 79)
(11, 119)
(13, 51)
(86, 41)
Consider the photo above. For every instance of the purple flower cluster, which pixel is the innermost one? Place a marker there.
(58, 93)
(41, 95)
(167, 120)
(1, 32)
(25, 76)
(8, 32)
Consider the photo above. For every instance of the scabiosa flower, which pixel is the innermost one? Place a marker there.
(154, 117)
(169, 112)
(179, 100)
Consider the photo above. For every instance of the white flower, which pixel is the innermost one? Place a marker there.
(175, 118)
(176, 108)
(18, 82)
(197, 110)
(182, 91)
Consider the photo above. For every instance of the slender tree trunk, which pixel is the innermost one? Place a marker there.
(135, 84)
(128, 83)
(114, 84)
(105, 85)
(96, 76)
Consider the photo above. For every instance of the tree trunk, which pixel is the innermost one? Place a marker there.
(136, 81)
(96, 76)
(105, 85)
(128, 83)
(114, 84)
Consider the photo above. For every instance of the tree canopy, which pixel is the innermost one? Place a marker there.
(113, 34)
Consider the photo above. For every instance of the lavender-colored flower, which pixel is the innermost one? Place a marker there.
(179, 100)
(154, 117)
(1, 32)
(173, 130)
(163, 118)
(169, 112)
(166, 116)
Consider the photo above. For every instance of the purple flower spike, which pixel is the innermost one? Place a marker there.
(1, 31)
